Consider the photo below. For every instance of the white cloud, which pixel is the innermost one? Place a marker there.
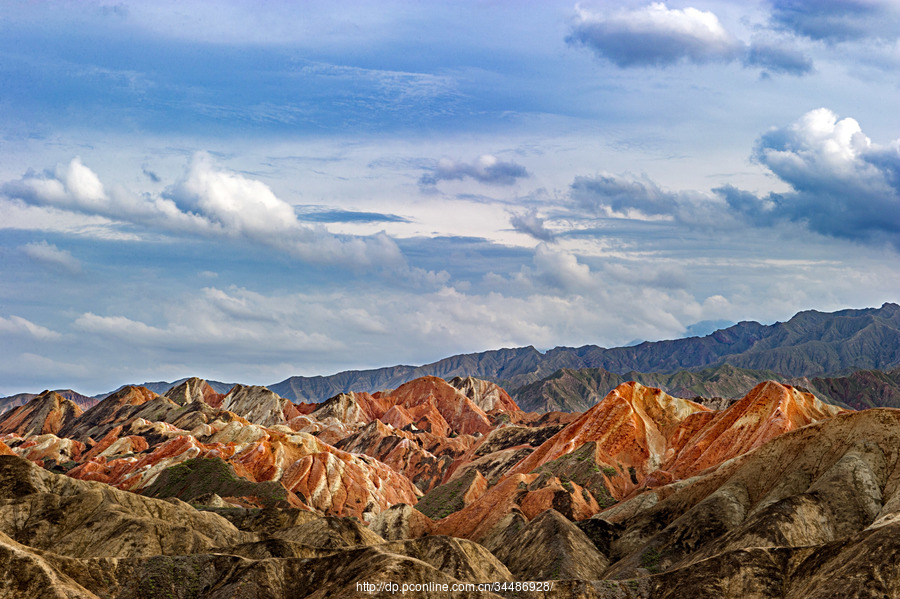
(209, 201)
(843, 184)
(237, 321)
(561, 269)
(531, 224)
(655, 36)
(49, 254)
(16, 325)
(238, 205)
(121, 327)
(837, 21)
(817, 144)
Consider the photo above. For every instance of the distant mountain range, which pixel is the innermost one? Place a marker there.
(569, 390)
(818, 350)
(811, 344)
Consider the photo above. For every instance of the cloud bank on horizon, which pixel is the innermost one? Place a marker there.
(248, 194)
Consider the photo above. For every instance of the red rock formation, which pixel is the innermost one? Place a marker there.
(631, 427)
(114, 444)
(475, 490)
(5, 450)
(477, 519)
(566, 497)
(640, 437)
(257, 404)
(429, 403)
(440, 407)
(330, 480)
(47, 413)
(354, 408)
(490, 397)
(531, 494)
(401, 450)
(770, 409)
(50, 448)
(108, 411)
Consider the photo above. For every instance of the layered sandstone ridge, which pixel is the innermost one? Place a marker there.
(639, 432)
(635, 438)
(61, 537)
(447, 481)
(47, 413)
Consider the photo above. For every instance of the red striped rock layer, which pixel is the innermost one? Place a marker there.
(424, 458)
(530, 494)
(46, 413)
(428, 403)
(642, 432)
(106, 414)
(322, 477)
(644, 438)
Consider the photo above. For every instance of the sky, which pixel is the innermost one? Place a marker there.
(246, 192)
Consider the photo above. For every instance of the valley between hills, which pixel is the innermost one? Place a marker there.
(761, 461)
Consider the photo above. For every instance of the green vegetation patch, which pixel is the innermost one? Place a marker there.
(445, 499)
(579, 467)
(650, 560)
(199, 476)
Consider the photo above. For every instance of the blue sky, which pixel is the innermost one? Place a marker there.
(246, 193)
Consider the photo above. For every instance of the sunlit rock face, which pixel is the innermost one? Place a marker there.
(195, 389)
(489, 397)
(640, 433)
(97, 421)
(776, 487)
(634, 431)
(769, 410)
(634, 439)
(256, 404)
(47, 413)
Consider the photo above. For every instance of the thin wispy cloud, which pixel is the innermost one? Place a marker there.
(486, 169)
(48, 254)
(778, 58)
(835, 21)
(18, 326)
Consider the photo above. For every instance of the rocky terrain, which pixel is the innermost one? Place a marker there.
(199, 491)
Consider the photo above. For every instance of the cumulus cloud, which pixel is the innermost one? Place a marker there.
(50, 255)
(560, 270)
(607, 194)
(778, 58)
(233, 202)
(485, 169)
(531, 224)
(839, 20)
(16, 325)
(843, 185)
(208, 201)
(654, 36)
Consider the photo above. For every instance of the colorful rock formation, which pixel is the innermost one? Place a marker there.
(47, 413)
